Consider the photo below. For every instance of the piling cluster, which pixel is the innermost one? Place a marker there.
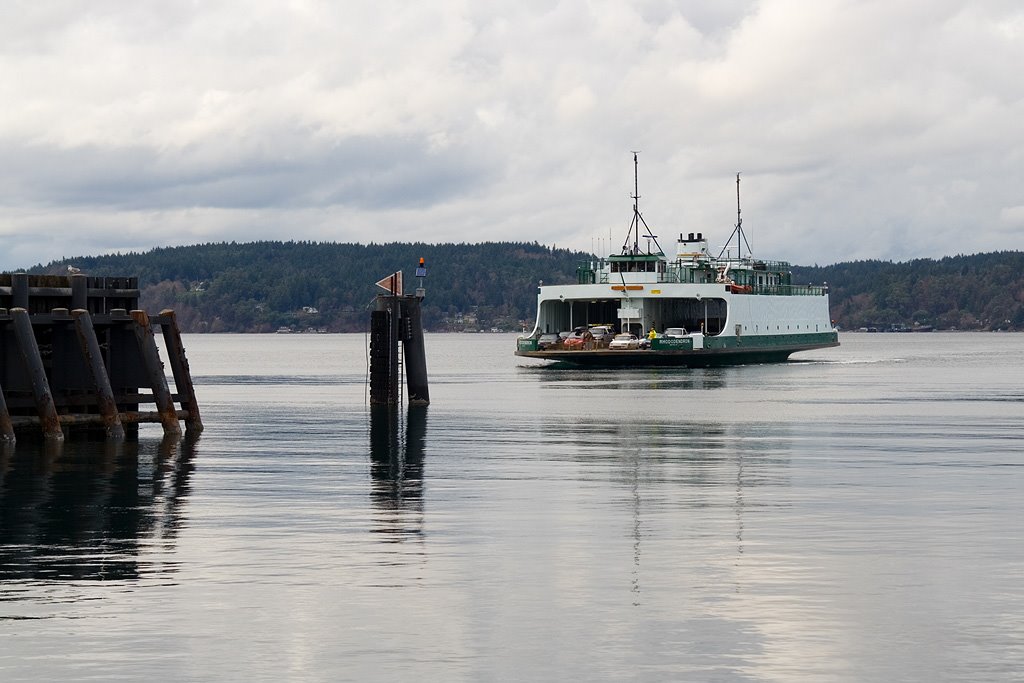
(76, 353)
(395, 320)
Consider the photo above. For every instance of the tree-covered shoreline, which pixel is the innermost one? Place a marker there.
(265, 286)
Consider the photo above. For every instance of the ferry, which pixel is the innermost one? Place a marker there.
(689, 307)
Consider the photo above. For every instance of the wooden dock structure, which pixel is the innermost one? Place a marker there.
(77, 354)
(397, 320)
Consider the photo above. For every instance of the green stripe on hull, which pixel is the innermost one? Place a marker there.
(772, 341)
(717, 351)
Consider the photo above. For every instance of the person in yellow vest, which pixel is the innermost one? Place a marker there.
(652, 334)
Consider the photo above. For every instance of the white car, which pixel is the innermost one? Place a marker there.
(675, 332)
(624, 340)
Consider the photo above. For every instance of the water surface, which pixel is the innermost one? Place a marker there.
(855, 514)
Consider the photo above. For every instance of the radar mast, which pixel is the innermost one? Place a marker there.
(737, 230)
(638, 219)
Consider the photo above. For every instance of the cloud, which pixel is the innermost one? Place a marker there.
(864, 129)
(289, 171)
(1012, 217)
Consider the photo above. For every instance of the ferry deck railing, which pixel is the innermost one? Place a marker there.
(585, 276)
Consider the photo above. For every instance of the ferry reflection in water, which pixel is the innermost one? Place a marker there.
(566, 374)
(396, 467)
(86, 511)
(679, 473)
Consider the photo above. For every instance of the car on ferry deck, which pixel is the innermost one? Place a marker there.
(578, 338)
(624, 340)
(602, 334)
(550, 340)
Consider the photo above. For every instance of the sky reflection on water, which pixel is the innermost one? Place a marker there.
(848, 518)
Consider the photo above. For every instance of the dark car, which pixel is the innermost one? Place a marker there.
(602, 334)
(550, 340)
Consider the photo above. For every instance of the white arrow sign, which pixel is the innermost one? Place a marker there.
(392, 283)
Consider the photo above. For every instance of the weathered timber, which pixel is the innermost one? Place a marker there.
(89, 419)
(6, 426)
(180, 370)
(415, 352)
(91, 368)
(384, 369)
(40, 294)
(155, 370)
(19, 291)
(101, 383)
(397, 319)
(33, 361)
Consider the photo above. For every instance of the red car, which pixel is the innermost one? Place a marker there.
(577, 339)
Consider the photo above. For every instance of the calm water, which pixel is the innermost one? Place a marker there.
(855, 516)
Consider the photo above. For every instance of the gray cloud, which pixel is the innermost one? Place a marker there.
(864, 129)
(363, 172)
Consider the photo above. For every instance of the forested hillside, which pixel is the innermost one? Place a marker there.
(983, 291)
(262, 286)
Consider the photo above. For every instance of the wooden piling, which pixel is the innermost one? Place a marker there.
(155, 371)
(19, 290)
(101, 383)
(26, 340)
(180, 370)
(383, 356)
(89, 369)
(415, 353)
(79, 292)
(397, 319)
(6, 426)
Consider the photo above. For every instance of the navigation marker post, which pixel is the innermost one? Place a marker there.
(397, 317)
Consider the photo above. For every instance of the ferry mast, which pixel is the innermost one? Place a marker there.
(638, 219)
(741, 237)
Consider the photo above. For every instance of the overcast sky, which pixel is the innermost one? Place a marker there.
(864, 129)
